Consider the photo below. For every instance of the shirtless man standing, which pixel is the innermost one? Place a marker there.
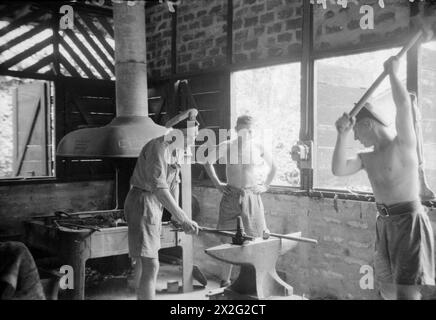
(241, 193)
(404, 250)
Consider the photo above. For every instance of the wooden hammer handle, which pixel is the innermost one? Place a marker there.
(359, 105)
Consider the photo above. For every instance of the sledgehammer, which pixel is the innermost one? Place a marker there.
(423, 33)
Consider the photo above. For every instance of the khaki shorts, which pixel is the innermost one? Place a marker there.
(143, 213)
(404, 250)
(246, 204)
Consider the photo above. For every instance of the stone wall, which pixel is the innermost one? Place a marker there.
(262, 30)
(265, 30)
(337, 27)
(201, 35)
(329, 270)
(158, 26)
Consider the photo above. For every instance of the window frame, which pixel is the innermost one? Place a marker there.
(232, 115)
(51, 80)
(412, 85)
(340, 54)
(308, 101)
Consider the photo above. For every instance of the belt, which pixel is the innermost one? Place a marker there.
(138, 188)
(399, 208)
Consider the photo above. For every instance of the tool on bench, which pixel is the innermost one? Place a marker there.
(66, 220)
(77, 226)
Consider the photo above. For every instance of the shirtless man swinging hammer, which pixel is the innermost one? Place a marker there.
(404, 250)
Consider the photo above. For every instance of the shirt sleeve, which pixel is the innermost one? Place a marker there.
(157, 168)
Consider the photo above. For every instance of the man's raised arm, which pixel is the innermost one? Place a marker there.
(404, 118)
(341, 165)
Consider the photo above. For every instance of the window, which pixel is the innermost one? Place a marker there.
(427, 91)
(26, 128)
(272, 96)
(340, 83)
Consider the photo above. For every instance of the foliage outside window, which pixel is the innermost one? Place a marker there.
(340, 83)
(272, 96)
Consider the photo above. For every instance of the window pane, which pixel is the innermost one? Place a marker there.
(26, 128)
(341, 82)
(427, 86)
(272, 96)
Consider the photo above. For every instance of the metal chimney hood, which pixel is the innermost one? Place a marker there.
(125, 136)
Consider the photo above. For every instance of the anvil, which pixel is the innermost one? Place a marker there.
(258, 278)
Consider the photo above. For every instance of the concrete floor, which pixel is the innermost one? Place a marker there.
(118, 289)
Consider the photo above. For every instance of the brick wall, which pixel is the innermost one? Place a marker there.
(266, 29)
(263, 30)
(330, 270)
(201, 35)
(337, 27)
(158, 25)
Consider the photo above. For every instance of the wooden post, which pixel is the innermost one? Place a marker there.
(308, 114)
(186, 240)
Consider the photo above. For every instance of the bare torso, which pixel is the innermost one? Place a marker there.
(393, 173)
(241, 171)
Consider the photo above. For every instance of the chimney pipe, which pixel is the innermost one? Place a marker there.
(130, 59)
(125, 136)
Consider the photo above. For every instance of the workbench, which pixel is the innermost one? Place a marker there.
(74, 247)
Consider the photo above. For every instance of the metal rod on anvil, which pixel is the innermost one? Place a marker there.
(266, 235)
(223, 233)
(227, 233)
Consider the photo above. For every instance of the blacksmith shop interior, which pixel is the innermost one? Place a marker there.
(89, 91)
